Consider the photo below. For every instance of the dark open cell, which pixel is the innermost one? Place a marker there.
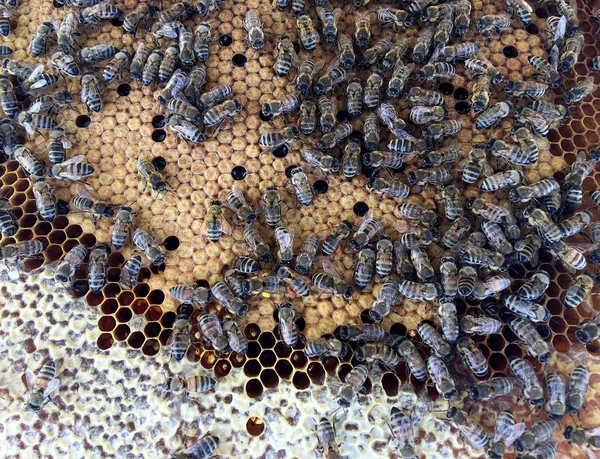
(267, 340)
(171, 243)
(105, 341)
(510, 51)
(109, 307)
(124, 89)
(159, 162)
(117, 22)
(398, 329)
(360, 208)
(281, 152)
(158, 121)
(265, 117)
(168, 319)
(366, 318)
(122, 332)
(3, 158)
(532, 29)
(544, 331)
(316, 373)
(151, 347)
(343, 116)
(289, 169)
(252, 331)
(390, 384)
(222, 368)
(158, 269)
(124, 315)
(299, 359)
(115, 259)
(152, 329)
(301, 381)
(462, 107)
(239, 60)
(254, 349)
(446, 88)
(156, 297)
(159, 135)
(83, 121)
(225, 40)
(541, 13)
(136, 339)
(238, 173)
(269, 378)
(267, 358)
(320, 187)
(461, 94)
(112, 290)
(254, 388)
(252, 368)
(282, 350)
(284, 369)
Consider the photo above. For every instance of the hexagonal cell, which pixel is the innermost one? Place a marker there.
(299, 359)
(237, 360)
(390, 384)
(267, 358)
(252, 331)
(111, 290)
(255, 426)
(254, 349)
(282, 350)
(125, 298)
(123, 315)
(141, 290)
(107, 323)
(151, 347)
(94, 299)
(208, 360)
(561, 344)
(168, 319)
(121, 332)
(301, 381)
(73, 231)
(105, 341)
(269, 378)
(266, 340)
(252, 367)
(222, 368)
(316, 373)
(156, 297)
(152, 329)
(139, 306)
(136, 340)
(60, 222)
(254, 388)
(42, 228)
(110, 306)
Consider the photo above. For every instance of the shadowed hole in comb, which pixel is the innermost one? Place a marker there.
(254, 388)
(269, 378)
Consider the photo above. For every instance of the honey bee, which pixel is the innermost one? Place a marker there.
(41, 387)
(235, 335)
(97, 266)
(459, 52)
(219, 113)
(94, 54)
(168, 63)
(571, 257)
(550, 75)
(346, 51)
(254, 28)
(307, 32)
(492, 388)
(274, 139)
(304, 192)
(493, 115)
(576, 223)
(257, 244)
(480, 98)
(506, 431)
(578, 387)
(90, 92)
(30, 163)
(151, 67)
(539, 432)
(525, 193)
(184, 128)
(179, 11)
(449, 279)
(66, 32)
(307, 120)
(323, 347)
(122, 227)
(287, 104)
(441, 378)
(94, 15)
(555, 388)
(71, 169)
(130, 272)
(365, 266)
(297, 283)
(472, 356)
(502, 180)
(392, 57)
(193, 384)
(535, 287)
(207, 6)
(333, 241)
(525, 309)
(226, 298)
(530, 338)
(66, 268)
(493, 23)
(448, 319)
(132, 19)
(44, 198)
(39, 41)
(353, 383)
(368, 228)
(474, 432)
(86, 202)
(191, 293)
(382, 353)
(147, 244)
(210, 327)
(286, 55)
(151, 175)
(33, 122)
(462, 17)
(238, 205)
(580, 288)
(329, 20)
(433, 339)
(287, 324)
(306, 256)
(362, 29)
(531, 89)
(441, 37)
(483, 325)
(8, 225)
(180, 336)
(8, 99)
(206, 446)
(422, 46)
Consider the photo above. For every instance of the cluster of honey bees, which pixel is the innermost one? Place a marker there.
(481, 238)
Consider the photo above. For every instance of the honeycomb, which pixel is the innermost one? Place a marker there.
(131, 124)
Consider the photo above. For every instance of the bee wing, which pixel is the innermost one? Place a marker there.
(593, 432)
(553, 56)
(330, 269)
(318, 67)
(437, 54)
(4, 204)
(52, 386)
(28, 128)
(487, 169)
(337, 13)
(85, 193)
(333, 64)
(366, 219)
(36, 72)
(74, 160)
(35, 107)
(583, 247)
(66, 143)
(561, 29)
(226, 227)
(237, 191)
(517, 431)
(30, 379)
(321, 13)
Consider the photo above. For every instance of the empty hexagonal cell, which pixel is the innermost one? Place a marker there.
(156, 297)
(42, 228)
(316, 373)
(53, 252)
(284, 369)
(109, 307)
(496, 342)
(572, 317)
(94, 299)
(123, 315)
(139, 306)
(254, 388)
(555, 306)
(266, 340)
(498, 362)
(252, 368)
(269, 378)
(152, 329)
(113, 275)
(561, 344)
(105, 341)
(168, 319)
(151, 347)
(27, 221)
(267, 358)
(299, 359)
(115, 259)
(24, 235)
(254, 349)
(125, 298)
(255, 426)
(513, 349)
(558, 325)
(111, 290)
(107, 323)
(122, 332)
(282, 350)
(141, 290)
(136, 340)
(89, 240)
(343, 370)
(73, 231)
(390, 384)
(301, 381)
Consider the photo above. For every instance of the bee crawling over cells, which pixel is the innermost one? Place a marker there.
(42, 387)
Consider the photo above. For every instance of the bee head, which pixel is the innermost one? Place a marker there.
(451, 412)
(587, 334)
(568, 431)
(411, 178)
(344, 332)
